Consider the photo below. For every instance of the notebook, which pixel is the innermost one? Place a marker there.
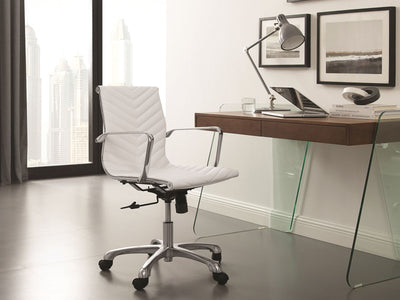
(307, 108)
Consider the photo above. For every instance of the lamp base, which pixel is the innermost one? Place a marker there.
(260, 110)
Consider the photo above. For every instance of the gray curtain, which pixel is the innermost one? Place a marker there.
(13, 115)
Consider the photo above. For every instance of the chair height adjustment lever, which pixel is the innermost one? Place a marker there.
(134, 205)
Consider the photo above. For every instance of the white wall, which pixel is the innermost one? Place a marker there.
(206, 66)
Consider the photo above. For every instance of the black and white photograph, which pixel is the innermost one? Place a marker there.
(352, 52)
(270, 52)
(356, 47)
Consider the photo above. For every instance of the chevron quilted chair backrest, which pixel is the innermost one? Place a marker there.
(127, 109)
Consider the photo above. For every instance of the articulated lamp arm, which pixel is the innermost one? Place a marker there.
(290, 37)
(271, 97)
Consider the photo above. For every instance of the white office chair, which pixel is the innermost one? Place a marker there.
(134, 152)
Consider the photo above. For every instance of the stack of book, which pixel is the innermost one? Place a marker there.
(371, 111)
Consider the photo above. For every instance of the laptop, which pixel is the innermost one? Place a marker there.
(307, 108)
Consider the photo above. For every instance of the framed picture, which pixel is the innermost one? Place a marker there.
(270, 52)
(357, 47)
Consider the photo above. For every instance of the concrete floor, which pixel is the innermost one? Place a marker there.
(53, 232)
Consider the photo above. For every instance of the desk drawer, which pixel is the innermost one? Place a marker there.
(231, 125)
(306, 132)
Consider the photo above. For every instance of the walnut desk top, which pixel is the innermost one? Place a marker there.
(340, 131)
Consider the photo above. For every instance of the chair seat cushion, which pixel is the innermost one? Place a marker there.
(182, 177)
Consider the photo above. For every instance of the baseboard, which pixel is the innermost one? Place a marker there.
(231, 208)
(313, 228)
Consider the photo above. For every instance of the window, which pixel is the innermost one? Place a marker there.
(64, 47)
(58, 48)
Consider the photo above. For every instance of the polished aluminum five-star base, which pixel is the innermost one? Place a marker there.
(167, 249)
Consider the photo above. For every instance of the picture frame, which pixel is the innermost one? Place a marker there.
(365, 54)
(270, 53)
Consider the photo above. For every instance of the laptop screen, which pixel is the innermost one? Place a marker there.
(298, 99)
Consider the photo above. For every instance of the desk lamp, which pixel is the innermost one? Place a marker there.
(290, 38)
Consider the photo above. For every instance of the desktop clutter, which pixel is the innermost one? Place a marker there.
(361, 106)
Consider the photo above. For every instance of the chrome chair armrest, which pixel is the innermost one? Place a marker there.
(150, 141)
(208, 128)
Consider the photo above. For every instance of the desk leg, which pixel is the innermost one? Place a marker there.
(289, 161)
(204, 224)
(288, 166)
(375, 254)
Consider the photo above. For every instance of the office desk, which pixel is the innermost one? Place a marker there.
(347, 132)
(341, 131)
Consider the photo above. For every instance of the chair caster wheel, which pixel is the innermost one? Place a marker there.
(221, 278)
(140, 283)
(217, 257)
(105, 264)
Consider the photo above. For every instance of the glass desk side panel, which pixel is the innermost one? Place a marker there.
(375, 255)
(289, 162)
(279, 191)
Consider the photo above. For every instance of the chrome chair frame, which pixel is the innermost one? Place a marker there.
(167, 249)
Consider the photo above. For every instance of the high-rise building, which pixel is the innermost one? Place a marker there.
(80, 143)
(80, 111)
(81, 90)
(121, 54)
(34, 97)
(61, 101)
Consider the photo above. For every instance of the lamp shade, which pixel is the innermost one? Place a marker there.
(290, 37)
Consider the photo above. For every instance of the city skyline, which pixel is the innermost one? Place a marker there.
(134, 42)
(65, 138)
